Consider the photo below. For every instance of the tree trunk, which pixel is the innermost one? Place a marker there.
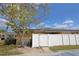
(20, 40)
(23, 39)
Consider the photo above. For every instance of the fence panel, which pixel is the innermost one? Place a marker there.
(51, 40)
(35, 42)
(43, 39)
(77, 39)
(55, 40)
(72, 39)
(65, 39)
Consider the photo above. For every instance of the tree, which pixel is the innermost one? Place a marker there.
(20, 16)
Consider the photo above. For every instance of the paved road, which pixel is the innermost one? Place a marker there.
(68, 53)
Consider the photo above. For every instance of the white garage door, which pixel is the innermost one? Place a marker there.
(43, 39)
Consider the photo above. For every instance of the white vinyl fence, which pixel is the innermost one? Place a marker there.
(54, 39)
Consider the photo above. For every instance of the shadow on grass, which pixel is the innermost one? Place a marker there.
(8, 49)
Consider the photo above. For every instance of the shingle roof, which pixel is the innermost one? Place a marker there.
(54, 30)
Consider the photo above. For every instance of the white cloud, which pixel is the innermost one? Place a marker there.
(55, 24)
(47, 26)
(3, 20)
(68, 21)
(76, 27)
(43, 25)
(61, 26)
(66, 24)
(71, 24)
(2, 23)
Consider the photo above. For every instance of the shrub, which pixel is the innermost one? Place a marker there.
(10, 40)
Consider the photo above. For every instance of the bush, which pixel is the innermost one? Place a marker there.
(10, 40)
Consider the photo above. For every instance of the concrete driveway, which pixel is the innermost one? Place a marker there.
(46, 52)
(35, 51)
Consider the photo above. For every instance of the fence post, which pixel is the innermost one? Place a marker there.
(62, 39)
(69, 38)
(75, 39)
(39, 40)
(48, 39)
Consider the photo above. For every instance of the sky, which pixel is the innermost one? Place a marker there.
(61, 15)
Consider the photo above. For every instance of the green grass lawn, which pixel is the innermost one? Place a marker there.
(8, 49)
(66, 47)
